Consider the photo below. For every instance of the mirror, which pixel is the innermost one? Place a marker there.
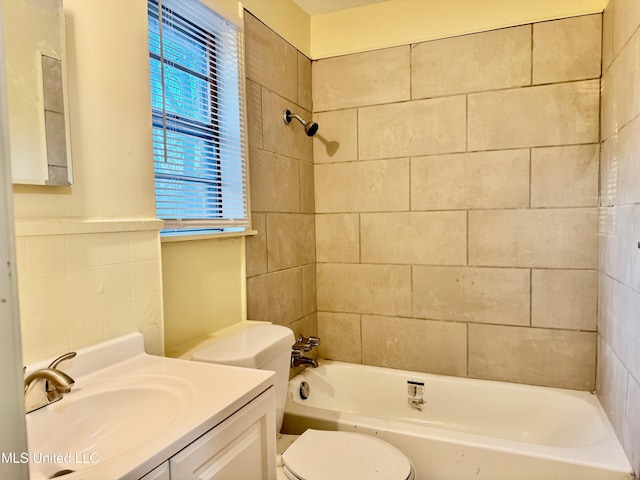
(37, 95)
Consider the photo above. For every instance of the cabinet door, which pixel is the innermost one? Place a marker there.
(243, 447)
(159, 473)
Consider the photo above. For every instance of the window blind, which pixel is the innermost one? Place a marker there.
(197, 88)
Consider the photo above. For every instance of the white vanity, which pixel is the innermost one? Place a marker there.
(132, 415)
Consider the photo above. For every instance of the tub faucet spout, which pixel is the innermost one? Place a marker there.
(304, 345)
(297, 360)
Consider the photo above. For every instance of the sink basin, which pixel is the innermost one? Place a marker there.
(96, 422)
(129, 412)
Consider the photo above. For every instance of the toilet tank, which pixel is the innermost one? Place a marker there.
(262, 346)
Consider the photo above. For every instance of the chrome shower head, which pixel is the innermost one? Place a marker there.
(310, 128)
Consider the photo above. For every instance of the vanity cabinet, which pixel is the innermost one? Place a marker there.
(241, 447)
(159, 473)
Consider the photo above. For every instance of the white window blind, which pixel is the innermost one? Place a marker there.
(197, 88)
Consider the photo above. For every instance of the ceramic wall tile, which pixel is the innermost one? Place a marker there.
(564, 299)
(377, 186)
(556, 238)
(434, 238)
(269, 59)
(338, 238)
(378, 289)
(290, 240)
(472, 63)
(469, 294)
(340, 336)
(416, 345)
(337, 137)
(420, 127)
(379, 76)
(268, 169)
(565, 176)
(557, 114)
(536, 356)
(568, 49)
(275, 297)
(475, 180)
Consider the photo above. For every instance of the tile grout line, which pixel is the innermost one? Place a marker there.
(468, 349)
(468, 244)
(531, 297)
(460, 322)
(361, 344)
(531, 57)
(359, 239)
(530, 174)
(466, 125)
(450, 95)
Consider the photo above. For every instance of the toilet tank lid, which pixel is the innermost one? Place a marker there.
(251, 347)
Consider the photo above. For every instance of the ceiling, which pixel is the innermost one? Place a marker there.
(317, 7)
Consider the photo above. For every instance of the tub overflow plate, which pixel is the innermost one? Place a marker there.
(305, 390)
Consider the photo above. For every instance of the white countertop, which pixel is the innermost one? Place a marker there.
(208, 394)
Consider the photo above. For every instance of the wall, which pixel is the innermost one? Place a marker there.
(281, 258)
(204, 282)
(79, 289)
(88, 256)
(456, 186)
(203, 286)
(399, 22)
(12, 417)
(619, 269)
(285, 18)
(111, 143)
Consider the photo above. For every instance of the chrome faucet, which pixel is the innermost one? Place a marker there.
(45, 386)
(304, 345)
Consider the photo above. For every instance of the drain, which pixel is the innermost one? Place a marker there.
(305, 390)
(61, 473)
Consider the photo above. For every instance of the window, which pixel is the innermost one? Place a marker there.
(198, 126)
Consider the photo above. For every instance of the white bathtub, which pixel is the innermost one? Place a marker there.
(467, 429)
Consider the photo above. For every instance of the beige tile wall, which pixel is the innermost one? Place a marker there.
(77, 290)
(618, 379)
(492, 60)
(281, 273)
(456, 187)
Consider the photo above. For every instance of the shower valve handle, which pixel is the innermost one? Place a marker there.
(306, 344)
(301, 346)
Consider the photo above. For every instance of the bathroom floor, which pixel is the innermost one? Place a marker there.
(284, 441)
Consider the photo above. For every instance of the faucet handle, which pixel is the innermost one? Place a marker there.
(51, 388)
(302, 346)
(62, 358)
(307, 343)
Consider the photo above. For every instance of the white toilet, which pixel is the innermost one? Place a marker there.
(316, 454)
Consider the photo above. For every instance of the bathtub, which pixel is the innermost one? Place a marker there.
(461, 429)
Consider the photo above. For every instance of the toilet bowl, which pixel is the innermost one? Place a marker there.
(316, 454)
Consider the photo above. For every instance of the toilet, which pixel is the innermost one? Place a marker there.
(316, 454)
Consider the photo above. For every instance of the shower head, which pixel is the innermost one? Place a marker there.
(310, 128)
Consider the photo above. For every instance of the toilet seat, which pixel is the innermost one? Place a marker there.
(329, 455)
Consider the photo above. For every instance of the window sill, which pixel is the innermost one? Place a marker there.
(72, 226)
(207, 236)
